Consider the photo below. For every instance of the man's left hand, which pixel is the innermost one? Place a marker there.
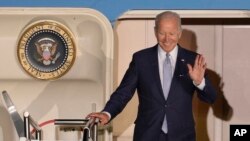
(198, 70)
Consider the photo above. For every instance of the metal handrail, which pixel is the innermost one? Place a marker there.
(28, 120)
(88, 134)
(90, 127)
(23, 126)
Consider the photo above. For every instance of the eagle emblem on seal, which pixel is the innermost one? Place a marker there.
(46, 49)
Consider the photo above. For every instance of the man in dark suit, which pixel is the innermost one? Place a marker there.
(164, 114)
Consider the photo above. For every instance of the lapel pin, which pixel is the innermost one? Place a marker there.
(181, 75)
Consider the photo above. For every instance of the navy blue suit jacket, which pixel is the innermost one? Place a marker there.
(143, 76)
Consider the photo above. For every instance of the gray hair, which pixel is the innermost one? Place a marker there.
(168, 15)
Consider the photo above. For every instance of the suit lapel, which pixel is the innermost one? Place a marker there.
(179, 73)
(155, 72)
(181, 65)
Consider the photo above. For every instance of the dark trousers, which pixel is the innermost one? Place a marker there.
(163, 137)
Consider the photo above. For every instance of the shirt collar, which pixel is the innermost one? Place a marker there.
(172, 53)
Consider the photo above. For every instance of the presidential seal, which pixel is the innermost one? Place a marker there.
(46, 49)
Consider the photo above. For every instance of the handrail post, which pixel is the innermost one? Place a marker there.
(95, 130)
(26, 125)
(28, 120)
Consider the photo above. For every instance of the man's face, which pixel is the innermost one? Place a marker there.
(167, 34)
